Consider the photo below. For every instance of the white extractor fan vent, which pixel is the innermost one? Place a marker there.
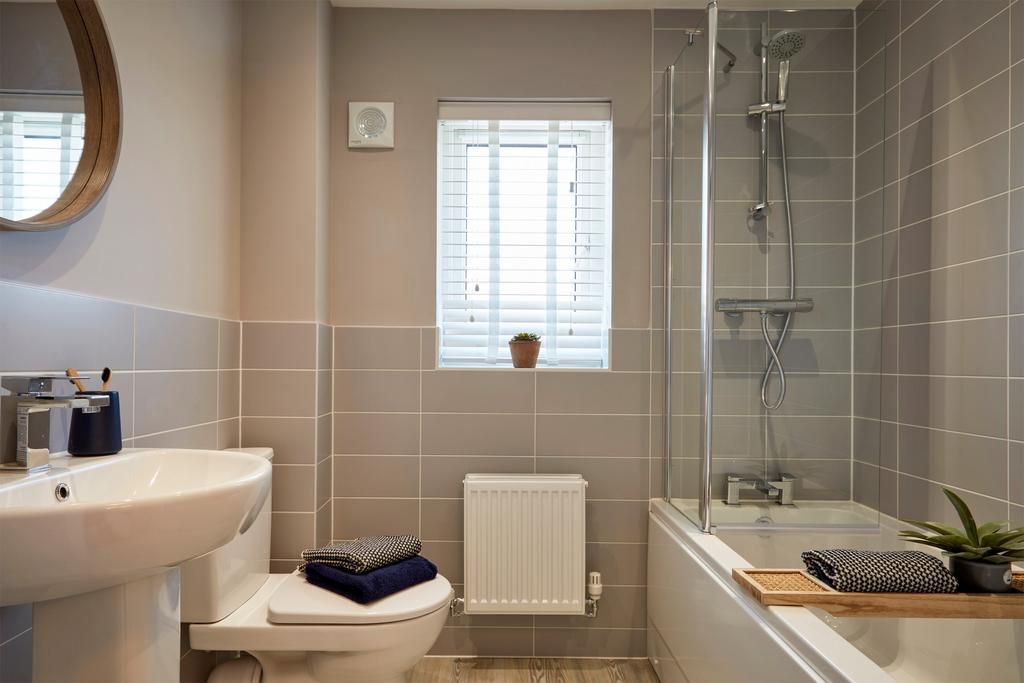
(371, 124)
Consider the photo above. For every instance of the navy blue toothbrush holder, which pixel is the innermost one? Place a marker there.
(96, 433)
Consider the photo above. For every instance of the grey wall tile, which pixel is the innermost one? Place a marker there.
(165, 340)
(279, 346)
(478, 391)
(943, 26)
(324, 436)
(616, 521)
(1016, 478)
(324, 485)
(973, 175)
(278, 393)
(377, 348)
(290, 534)
(441, 519)
(455, 434)
(324, 392)
(228, 434)
(960, 404)
(971, 462)
(171, 400)
(817, 266)
(981, 55)
(593, 392)
(230, 353)
(294, 488)
(1016, 346)
(967, 291)
(376, 476)
(974, 347)
(379, 391)
(291, 438)
(376, 433)
(593, 436)
(976, 116)
(228, 396)
(973, 232)
(793, 438)
(629, 349)
(67, 331)
(354, 517)
(1016, 409)
(324, 347)
(623, 564)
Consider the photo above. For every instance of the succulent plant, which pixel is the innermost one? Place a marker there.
(526, 337)
(985, 543)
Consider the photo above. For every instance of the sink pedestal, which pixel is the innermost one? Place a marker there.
(129, 632)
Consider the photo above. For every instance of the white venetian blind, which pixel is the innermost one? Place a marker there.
(39, 152)
(524, 223)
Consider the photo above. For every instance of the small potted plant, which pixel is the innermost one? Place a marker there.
(525, 348)
(979, 556)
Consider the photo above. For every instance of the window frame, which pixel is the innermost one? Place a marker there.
(603, 135)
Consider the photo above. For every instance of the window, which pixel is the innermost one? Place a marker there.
(39, 152)
(524, 231)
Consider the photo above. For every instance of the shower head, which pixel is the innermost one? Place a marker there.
(785, 44)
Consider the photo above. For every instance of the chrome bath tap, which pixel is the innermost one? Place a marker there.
(779, 489)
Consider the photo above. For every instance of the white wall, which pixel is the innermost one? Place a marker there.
(167, 232)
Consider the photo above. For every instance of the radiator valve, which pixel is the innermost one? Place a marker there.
(594, 590)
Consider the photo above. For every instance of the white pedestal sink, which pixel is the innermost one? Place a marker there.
(94, 542)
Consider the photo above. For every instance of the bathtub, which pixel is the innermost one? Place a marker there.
(703, 627)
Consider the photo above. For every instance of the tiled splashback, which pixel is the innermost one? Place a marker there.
(177, 374)
(940, 233)
(405, 434)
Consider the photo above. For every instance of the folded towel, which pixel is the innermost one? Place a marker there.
(874, 571)
(365, 554)
(379, 583)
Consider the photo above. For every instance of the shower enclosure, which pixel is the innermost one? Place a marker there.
(770, 346)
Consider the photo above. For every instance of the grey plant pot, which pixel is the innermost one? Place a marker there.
(981, 577)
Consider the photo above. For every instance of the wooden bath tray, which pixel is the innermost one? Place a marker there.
(797, 588)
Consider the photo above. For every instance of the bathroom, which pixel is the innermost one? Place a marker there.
(281, 225)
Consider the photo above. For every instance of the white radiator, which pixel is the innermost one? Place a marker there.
(525, 543)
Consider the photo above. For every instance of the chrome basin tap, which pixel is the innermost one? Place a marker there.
(779, 489)
(34, 400)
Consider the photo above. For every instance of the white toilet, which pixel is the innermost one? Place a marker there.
(298, 632)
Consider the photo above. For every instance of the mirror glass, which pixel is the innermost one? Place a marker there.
(42, 113)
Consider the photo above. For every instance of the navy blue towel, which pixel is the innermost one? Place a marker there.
(379, 583)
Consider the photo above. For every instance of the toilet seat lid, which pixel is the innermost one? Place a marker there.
(297, 601)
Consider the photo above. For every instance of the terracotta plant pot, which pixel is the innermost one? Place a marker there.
(524, 353)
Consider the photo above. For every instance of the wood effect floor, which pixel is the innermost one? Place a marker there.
(538, 670)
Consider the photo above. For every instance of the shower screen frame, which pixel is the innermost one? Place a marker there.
(707, 257)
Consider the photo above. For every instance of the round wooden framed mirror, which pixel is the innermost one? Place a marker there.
(60, 112)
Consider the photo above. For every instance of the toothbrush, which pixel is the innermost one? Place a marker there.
(106, 379)
(73, 376)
